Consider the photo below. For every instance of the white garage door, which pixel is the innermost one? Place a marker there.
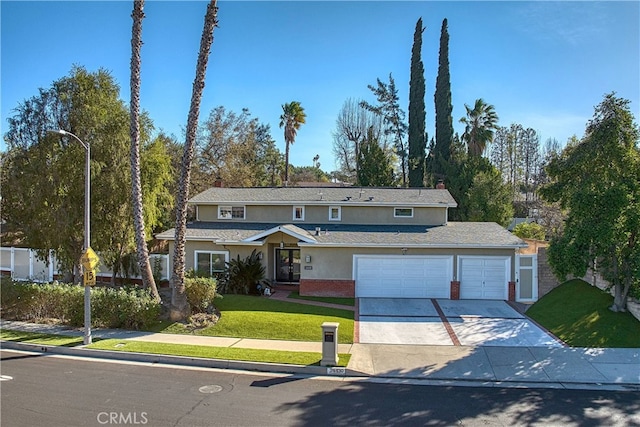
(402, 276)
(484, 277)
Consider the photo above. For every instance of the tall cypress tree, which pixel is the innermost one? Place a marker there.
(417, 114)
(444, 119)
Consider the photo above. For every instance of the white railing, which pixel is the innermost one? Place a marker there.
(24, 264)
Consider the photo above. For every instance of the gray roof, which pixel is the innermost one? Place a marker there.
(326, 196)
(453, 234)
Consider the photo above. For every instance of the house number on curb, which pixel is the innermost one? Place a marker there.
(210, 388)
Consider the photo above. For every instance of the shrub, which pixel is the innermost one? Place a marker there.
(201, 291)
(529, 230)
(244, 275)
(130, 308)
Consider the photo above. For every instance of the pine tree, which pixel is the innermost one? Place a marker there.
(444, 109)
(417, 114)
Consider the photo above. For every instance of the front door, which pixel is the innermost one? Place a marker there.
(288, 265)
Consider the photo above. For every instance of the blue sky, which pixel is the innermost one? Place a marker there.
(544, 65)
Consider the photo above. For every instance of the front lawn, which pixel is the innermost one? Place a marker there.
(223, 353)
(332, 300)
(39, 338)
(245, 316)
(579, 315)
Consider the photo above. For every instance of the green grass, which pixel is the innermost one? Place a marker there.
(579, 315)
(263, 318)
(333, 300)
(38, 338)
(224, 353)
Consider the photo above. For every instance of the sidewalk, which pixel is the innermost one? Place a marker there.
(478, 366)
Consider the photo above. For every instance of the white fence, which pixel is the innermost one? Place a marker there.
(24, 264)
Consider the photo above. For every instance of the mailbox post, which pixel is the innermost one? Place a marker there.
(329, 344)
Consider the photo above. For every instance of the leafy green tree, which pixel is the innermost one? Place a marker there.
(440, 155)
(394, 119)
(417, 114)
(179, 303)
(293, 116)
(480, 124)
(142, 252)
(597, 180)
(376, 169)
(237, 149)
(42, 186)
(529, 230)
(489, 198)
(157, 180)
(308, 174)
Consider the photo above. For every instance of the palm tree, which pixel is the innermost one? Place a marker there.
(292, 118)
(481, 122)
(179, 303)
(136, 187)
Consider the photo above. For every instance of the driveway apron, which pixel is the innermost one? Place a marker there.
(447, 322)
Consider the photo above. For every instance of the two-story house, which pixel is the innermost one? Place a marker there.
(349, 241)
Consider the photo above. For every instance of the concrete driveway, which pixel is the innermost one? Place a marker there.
(447, 322)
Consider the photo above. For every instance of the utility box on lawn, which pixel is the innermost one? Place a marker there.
(329, 344)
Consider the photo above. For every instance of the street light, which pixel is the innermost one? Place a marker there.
(87, 227)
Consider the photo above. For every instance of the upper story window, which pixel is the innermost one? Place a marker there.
(403, 212)
(298, 213)
(335, 213)
(231, 212)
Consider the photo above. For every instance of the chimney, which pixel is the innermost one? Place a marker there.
(219, 183)
(440, 185)
(318, 231)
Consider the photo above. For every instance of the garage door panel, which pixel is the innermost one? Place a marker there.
(484, 277)
(403, 276)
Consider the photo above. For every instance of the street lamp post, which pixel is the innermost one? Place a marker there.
(87, 227)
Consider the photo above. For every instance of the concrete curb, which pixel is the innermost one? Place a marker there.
(183, 360)
(309, 371)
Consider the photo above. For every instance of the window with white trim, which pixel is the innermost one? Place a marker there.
(335, 213)
(403, 212)
(298, 213)
(210, 262)
(231, 212)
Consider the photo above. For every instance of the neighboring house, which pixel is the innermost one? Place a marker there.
(349, 241)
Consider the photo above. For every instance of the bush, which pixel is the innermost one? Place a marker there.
(243, 275)
(129, 308)
(529, 230)
(201, 291)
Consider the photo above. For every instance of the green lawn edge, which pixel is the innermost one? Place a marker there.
(579, 315)
(40, 338)
(224, 353)
(331, 300)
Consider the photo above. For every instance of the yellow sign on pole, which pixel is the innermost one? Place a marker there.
(89, 277)
(89, 259)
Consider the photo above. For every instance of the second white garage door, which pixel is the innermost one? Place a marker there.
(402, 276)
(484, 277)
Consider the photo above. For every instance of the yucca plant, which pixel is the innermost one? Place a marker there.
(244, 274)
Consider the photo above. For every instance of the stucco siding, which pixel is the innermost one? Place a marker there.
(319, 214)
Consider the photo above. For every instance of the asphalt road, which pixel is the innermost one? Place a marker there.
(44, 390)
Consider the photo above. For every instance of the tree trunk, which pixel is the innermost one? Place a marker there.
(286, 164)
(136, 186)
(179, 305)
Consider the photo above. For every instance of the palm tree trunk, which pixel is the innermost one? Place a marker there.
(286, 164)
(136, 186)
(179, 304)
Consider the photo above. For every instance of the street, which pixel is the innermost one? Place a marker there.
(50, 390)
